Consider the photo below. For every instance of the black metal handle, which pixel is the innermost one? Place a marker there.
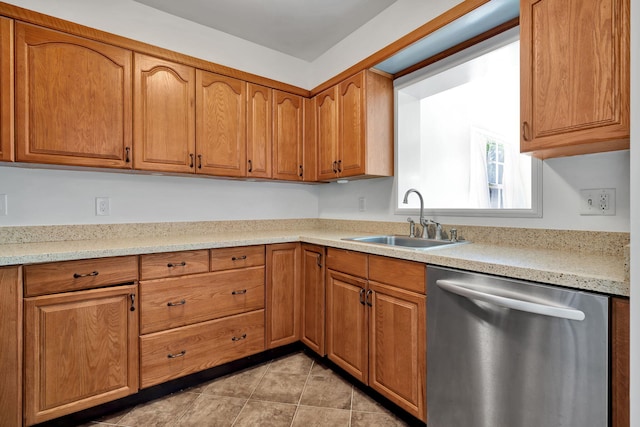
(238, 258)
(173, 304)
(301, 171)
(173, 356)
(127, 159)
(362, 296)
(525, 126)
(319, 260)
(334, 166)
(250, 166)
(367, 298)
(241, 337)
(199, 161)
(133, 302)
(340, 166)
(92, 274)
(191, 157)
(241, 292)
(180, 264)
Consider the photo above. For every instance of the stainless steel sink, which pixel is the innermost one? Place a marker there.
(404, 241)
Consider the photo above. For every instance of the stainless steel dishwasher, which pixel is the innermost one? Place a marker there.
(508, 353)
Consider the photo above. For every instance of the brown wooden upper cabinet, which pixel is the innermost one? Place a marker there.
(6, 89)
(164, 115)
(259, 131)
(221, 104)
(73, 100)
(288, 143)
(355, 127)
(574, 76)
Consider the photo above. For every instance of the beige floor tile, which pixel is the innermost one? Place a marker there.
(297, 363)
(280, 387)
(371, 419)
(265, 414)
(308, 416)
(161, 412)
(321, 370)
(362, 402)
(328, 392)
(212, 411)
(241, 384)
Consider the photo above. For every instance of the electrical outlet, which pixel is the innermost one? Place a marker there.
(103, 206)
(598, 201)
(3, 204)
(362, 204)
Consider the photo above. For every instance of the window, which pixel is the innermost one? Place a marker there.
(458, 134)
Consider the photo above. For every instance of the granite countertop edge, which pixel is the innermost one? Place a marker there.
(585, 271)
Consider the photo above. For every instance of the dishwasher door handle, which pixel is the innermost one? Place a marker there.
(466, 290)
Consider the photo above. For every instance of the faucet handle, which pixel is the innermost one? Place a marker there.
(412, 227)
(438, 231)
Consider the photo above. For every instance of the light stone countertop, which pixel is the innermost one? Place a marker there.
(594, 272)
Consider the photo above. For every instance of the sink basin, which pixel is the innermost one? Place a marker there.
(404, 241)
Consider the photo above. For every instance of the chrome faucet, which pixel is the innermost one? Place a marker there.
(423, 221)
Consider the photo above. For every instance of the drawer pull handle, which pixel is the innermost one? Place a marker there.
(243, 291)
(238, 258)
(173, 356)
(92, 274)
(173, 304)
(180, 264)
(240, 338)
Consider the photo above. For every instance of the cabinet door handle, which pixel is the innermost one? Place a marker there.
(319, 260)
(525, 127)
(173, 356)
(301, 171)
(180, 264)
(339, 166)
(127, 159)
(250, 166)
(334, 166)
(362, 296)
(368, 298)
(173, 304)
(191, 158)
(238, 258)
(199, 161)
(92, 274)
(133, 302)
(240, 338)
(241, 292)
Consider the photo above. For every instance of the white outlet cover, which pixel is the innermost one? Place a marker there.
(103, 206)
(590, 201)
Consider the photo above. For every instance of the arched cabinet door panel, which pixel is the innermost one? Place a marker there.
(73, 100)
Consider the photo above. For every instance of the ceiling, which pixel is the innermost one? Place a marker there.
(301, 28)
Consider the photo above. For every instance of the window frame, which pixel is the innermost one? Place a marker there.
(453, 60)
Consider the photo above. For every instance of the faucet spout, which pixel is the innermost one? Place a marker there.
(424, 222)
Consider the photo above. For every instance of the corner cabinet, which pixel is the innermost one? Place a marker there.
(312, 329)
(73, 100)
(288, 143)
(164, 115)
(574, 76)
(6, 89)
(282, 294)
(355, 128)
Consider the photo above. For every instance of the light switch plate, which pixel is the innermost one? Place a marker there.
(598, 201)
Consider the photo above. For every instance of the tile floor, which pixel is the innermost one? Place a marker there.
(291, 391)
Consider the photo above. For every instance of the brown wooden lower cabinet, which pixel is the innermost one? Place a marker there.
(313, 296)
(282, 294)
(377, 332)
(620, 336)
(81, 350)
(11, 339)
(181, 351)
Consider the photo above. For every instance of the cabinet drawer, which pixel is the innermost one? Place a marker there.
(182, 351)
(156, 266)
(169, 303)
(404, 274)
(55, 277)
(354, 263)
(240, 257)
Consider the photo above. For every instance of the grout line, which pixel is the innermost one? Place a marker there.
(252, 391)
(351, 406)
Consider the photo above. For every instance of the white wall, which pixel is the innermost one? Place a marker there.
(52, 197)
(562, 180)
